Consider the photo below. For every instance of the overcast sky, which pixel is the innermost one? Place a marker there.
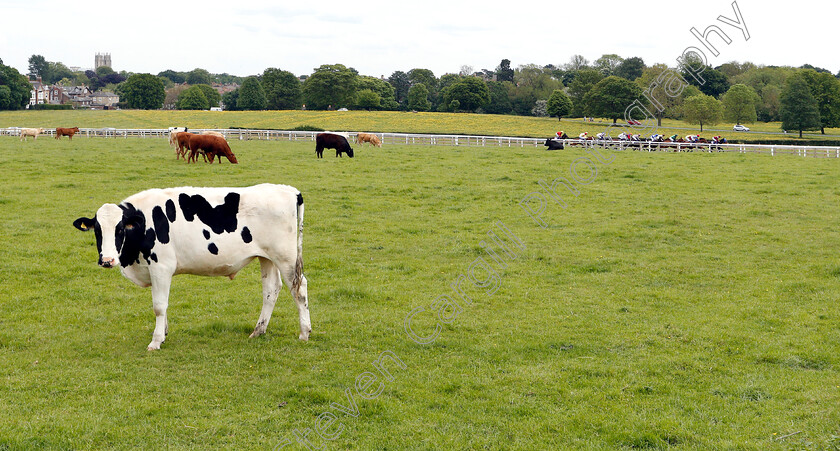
(379, 37)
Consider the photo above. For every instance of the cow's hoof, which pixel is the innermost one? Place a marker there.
(304, 336)
(153, 347)
(256, 334)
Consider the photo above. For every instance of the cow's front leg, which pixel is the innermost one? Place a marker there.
(160, 302)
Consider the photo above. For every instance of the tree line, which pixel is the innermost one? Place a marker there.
(804, 98)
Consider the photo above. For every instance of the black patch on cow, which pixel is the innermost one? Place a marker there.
(132, 238)
(213, 249)
(300, 199)
(246, 235)
(221, 218)
(154, 257)
(206, 234)
(161, 224)
(171, 212)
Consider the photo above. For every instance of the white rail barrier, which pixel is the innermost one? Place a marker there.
(464, 140)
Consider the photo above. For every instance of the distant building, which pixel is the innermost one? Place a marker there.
(102, 59)
(104, 100)
(81, 97)
(39, 92)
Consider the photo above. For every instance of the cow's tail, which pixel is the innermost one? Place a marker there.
(299, 261)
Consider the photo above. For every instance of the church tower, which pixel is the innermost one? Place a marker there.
(102, 59)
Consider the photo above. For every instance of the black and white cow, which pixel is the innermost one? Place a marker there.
(158, 233)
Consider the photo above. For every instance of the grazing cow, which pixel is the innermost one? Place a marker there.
(332, 141)
(214, 133)
(210, 146)
(33, 132)
(182, 142)
(158, 233)
(68, 132)
(553, 144)
(371, 138)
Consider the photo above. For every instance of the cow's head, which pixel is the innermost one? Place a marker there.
(349, 151)
(120, 234)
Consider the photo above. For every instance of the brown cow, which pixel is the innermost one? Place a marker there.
(362, 138)
(182, 143)
(68, 132)
(211, 146)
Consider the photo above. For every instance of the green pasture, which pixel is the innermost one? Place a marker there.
(685, 301)
(375, 121)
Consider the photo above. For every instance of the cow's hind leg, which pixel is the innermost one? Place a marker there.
(301, 297)
(271, 289)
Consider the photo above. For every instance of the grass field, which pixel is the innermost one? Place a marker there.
(685, 301)
(381, 121)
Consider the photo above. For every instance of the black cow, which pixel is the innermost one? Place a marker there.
(553, 144)
(332, 141)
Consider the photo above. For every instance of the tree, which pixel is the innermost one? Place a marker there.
(538, 79)
(607, 64)
(427, 77)
(654, 81)
(58, 71)
(770, 103)
(739, 104)
(714, 83)
(611, 97)
(15, 88)
(380, 87)
(733, 68)
(94, 82)
(504, 71)
(559, 104)
(213, 97)
(585, 80)
(282, 89)
(401, 84)
(418, 98)
(143, 92)
(175, 77)
(702, 109)
(251, 95)
(199, 77)
(192, 98)
(5, 97)
(424, 76)
(826, 91)
(800, 110)
(39, 66)
(368, 100)
(231, 99)
(631, 68)
(470, 92)
(499, 97)
(330, 85)
(576, 63)
(540, 108)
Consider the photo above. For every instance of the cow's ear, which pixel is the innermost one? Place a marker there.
(135, 222)
(84, 224)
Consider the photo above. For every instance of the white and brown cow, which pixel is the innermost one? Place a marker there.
(158, 233)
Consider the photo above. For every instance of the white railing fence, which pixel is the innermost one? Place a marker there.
(462, 140)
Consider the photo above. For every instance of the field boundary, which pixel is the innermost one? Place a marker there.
(463, 140)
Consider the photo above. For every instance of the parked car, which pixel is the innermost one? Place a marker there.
(634, 122)
(740, 128)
